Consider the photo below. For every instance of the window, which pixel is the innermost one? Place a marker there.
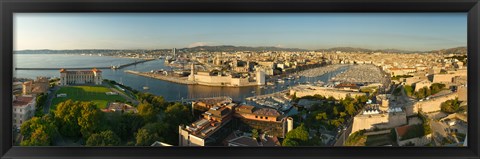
(20, 121)
(261, 117)
(256, 116)
(266, 117)
(20, 110)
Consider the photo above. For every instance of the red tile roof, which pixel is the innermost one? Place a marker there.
(21, 101)
(401, 131)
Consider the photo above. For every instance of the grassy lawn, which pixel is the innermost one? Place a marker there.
(95, 94)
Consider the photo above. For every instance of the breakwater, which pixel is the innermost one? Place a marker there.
(87, 68)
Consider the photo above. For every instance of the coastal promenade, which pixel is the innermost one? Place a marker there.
(87, 68)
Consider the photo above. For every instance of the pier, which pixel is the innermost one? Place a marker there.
(88, 68)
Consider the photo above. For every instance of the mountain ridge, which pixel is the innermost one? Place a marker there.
(232, 48)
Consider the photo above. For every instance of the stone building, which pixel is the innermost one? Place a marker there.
(40, 85)
(93, 76)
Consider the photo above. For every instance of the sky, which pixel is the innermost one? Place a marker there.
(405, 31)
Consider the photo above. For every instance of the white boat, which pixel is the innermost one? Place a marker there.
(145, 88)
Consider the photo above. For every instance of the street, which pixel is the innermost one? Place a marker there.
(48, 103)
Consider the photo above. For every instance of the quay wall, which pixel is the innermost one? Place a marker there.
(380, 121)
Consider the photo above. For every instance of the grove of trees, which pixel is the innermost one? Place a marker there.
(156, 120)
(331, 113)
(104, 138)
(39, 131)
(451, 106)
(40, 101)
(297, 137)
(427, 91)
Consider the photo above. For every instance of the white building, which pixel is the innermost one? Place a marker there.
(260, 77)
(93, 76)
(23, 109)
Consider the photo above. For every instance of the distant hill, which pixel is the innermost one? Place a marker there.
(456, 50)
(355, 49)
(231, 48)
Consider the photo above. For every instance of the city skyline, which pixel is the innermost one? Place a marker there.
(404, 31)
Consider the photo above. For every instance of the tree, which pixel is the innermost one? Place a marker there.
(321, 116)
(350, 108)
(38, 138)
(437, 87)
(89, 120)
(450, 106)
(362, 99)
(255, 134)
(178, 114)
(175, 115)
(147, 111)
(38, 131)
(75, 119)
(331, 98)
(356, 139)
(104, 138)
(408, 90)
(41, 98)
(296, 137)
(290, 142)
(335, 111)
(66, 115)
(150, 133)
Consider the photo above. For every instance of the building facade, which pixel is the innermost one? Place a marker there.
(40, 85)
(23, 109)
(93, 76)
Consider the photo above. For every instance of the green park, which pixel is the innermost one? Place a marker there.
(95, 94)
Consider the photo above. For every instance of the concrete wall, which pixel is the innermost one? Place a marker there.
(186, 139)
(337, 94)
(421, 84)
(432, 105)
(256, 117)
(381, 121)
(443, 78)
(462, 93)
(239, 81)
(419, 141)
(412, 80)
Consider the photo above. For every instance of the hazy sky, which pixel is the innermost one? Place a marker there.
(407, 31)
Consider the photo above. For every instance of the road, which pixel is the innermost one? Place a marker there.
(46, 107)
(133, 101)
(340, 140)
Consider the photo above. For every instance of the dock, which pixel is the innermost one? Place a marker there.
(89, 68)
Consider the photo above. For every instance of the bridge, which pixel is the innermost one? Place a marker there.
(88, 68)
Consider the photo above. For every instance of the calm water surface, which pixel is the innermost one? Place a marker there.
(170, 91)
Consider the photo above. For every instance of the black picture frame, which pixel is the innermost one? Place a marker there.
(8, 7)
